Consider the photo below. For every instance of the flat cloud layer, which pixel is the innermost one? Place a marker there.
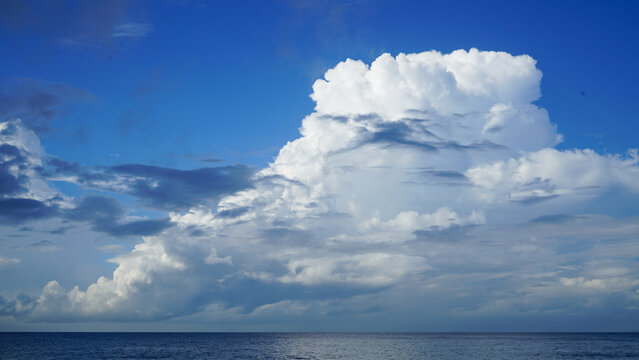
(424, 184)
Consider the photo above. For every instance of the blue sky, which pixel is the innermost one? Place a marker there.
(152, 149)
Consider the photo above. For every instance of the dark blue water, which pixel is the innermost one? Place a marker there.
(511, 346)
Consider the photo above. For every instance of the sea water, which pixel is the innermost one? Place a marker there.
(510, 346)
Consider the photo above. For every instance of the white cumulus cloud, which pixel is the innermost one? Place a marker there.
(403, 179)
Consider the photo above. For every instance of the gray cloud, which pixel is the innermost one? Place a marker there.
(140, 227)
(286, 237)
(446, 174)
(158, 187)
(233, 213)
(409, 132)
(173, 189)
(105, 215)
(452, 234)
(37, 102)
(83, 175)
(534, 199)
(555, 219)
(399, 134)
(18, 210)
(10, 183)
(22, 304)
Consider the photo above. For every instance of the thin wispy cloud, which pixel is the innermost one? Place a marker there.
(38, 102)
(132, 30)
(4, 261)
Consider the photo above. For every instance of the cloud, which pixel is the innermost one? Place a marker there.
(139, 227)
(132, 30)
(232, 213)
(157, 187)
(554, 219)
(21, 210)
(60, 169)
(359, 211)
(37, 102)
(40, 246)
(105, 215)
(114, 248)
(174, 189)
(373, 269)
(90, 24)
(8, 261)
(23, 304)
(25, 194)
(549, 173)
(10, 183)
(457, 83)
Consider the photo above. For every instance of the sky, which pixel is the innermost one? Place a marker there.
(319, 166)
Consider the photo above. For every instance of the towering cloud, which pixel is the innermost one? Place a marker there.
(415, 175)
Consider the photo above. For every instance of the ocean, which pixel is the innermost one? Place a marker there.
(510, 346)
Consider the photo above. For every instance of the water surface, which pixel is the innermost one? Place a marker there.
(511, 346)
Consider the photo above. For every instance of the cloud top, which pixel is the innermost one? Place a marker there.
(456, 83)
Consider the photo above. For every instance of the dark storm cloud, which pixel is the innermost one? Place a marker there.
(173, 189)
(96, 209)
(233, 213)
(13, 211)
(11, 156)
(140, 227)
(84, 175)
(159, 187)
(36, 102)
(104, 214)
(14, 162)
